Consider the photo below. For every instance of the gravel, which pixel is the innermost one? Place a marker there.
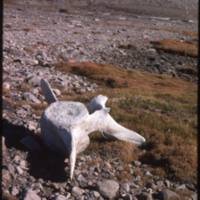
(33, 46)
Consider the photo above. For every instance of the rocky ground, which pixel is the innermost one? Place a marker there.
(35, 39)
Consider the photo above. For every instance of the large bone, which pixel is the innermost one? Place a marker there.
(66, 125)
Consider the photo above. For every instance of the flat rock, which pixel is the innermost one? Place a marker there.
(34, 81)
(96, 194)
(31, 195)
(108, 188)
(82, 180)
(77, 191)
(6, 86)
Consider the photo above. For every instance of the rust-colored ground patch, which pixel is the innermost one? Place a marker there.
(185, 48)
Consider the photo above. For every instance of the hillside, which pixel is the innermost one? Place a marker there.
(145, 65)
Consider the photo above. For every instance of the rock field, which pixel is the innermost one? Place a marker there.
(35, 39)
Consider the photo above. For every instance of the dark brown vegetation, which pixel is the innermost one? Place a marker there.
(159, 107)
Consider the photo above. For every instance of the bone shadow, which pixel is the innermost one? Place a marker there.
(42, 163)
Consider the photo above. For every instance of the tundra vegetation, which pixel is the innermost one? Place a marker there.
(161, 108)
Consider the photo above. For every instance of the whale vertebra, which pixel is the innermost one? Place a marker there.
(66, 125)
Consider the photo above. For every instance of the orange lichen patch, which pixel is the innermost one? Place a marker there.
(176, 46)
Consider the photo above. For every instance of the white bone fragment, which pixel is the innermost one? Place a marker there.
(66, 125)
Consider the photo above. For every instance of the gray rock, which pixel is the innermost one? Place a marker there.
(34, 81)
(148, 173)
(96, 194)
(41, 57)
(125, 187)
(35, 91)
(108, 188)
(14, 191)
(6, 86)
(138, 178)
(32, 125)
(167, 183)
(77, 191)
(38, 186)
(17, 159)
(181, 187)
(30, 62)
(61, 197)
(21, 113)
(126, 197)
(82, 180)
(23, 164)
(55, 186)
(31, 195)
(137, 163)
(159, 183)
(150, 190)
(19, 170)
(31, 97)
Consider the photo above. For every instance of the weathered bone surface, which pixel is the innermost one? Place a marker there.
(47, 91)
(97, 103)
(66, 125)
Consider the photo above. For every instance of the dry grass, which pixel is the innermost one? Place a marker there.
(100, 73)
(161, 108)
(190, 33)
(185, 48)
(110, 148)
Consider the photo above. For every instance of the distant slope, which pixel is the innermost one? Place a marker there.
(179, 9)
